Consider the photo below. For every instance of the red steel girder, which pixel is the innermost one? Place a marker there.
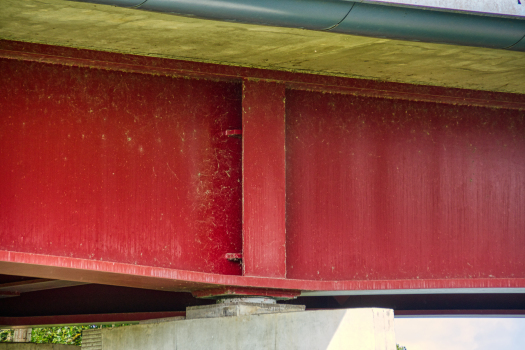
(348, 184)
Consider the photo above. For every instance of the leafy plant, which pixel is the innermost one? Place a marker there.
(71, 335)
(58, 335)
(6, 335)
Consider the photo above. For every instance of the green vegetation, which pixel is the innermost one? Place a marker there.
(58, 335)
(6, 335)
(399, 347)
(71, 335)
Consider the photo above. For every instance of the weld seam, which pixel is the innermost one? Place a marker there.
(139, 5)
(516, 43)
(338, 23)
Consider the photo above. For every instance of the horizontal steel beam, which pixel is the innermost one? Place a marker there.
(32, 285)
(416, 291)
(129, 275)
(118, 171)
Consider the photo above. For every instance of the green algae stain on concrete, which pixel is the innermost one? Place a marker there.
(114, 29)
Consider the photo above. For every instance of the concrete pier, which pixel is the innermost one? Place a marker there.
(363, 329)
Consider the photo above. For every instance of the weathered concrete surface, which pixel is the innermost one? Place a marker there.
(363, 329)
(92, 339)
(161, 320)
(22, 335)
(107, 28)
(239, 309)
(33, 346)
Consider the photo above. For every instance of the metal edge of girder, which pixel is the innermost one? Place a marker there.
(148, 277)
(374, 19)
(415, 291)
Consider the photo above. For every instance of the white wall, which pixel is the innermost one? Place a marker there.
(501, 7)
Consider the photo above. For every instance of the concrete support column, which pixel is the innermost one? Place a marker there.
(363, 329)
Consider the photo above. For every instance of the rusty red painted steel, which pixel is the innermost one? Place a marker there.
(233, 133)
(234, 256)
(384, 190)
(119, 167)
(116, 170)
(264, 235)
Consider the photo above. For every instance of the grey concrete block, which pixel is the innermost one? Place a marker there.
(360, 329)
(92, 339)
(239, 309)
(160, 320)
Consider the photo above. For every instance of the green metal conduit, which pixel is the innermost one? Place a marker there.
(358, 18)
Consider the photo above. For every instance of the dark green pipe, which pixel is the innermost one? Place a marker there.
(307, 14)
(358, 18)
(423, 24)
